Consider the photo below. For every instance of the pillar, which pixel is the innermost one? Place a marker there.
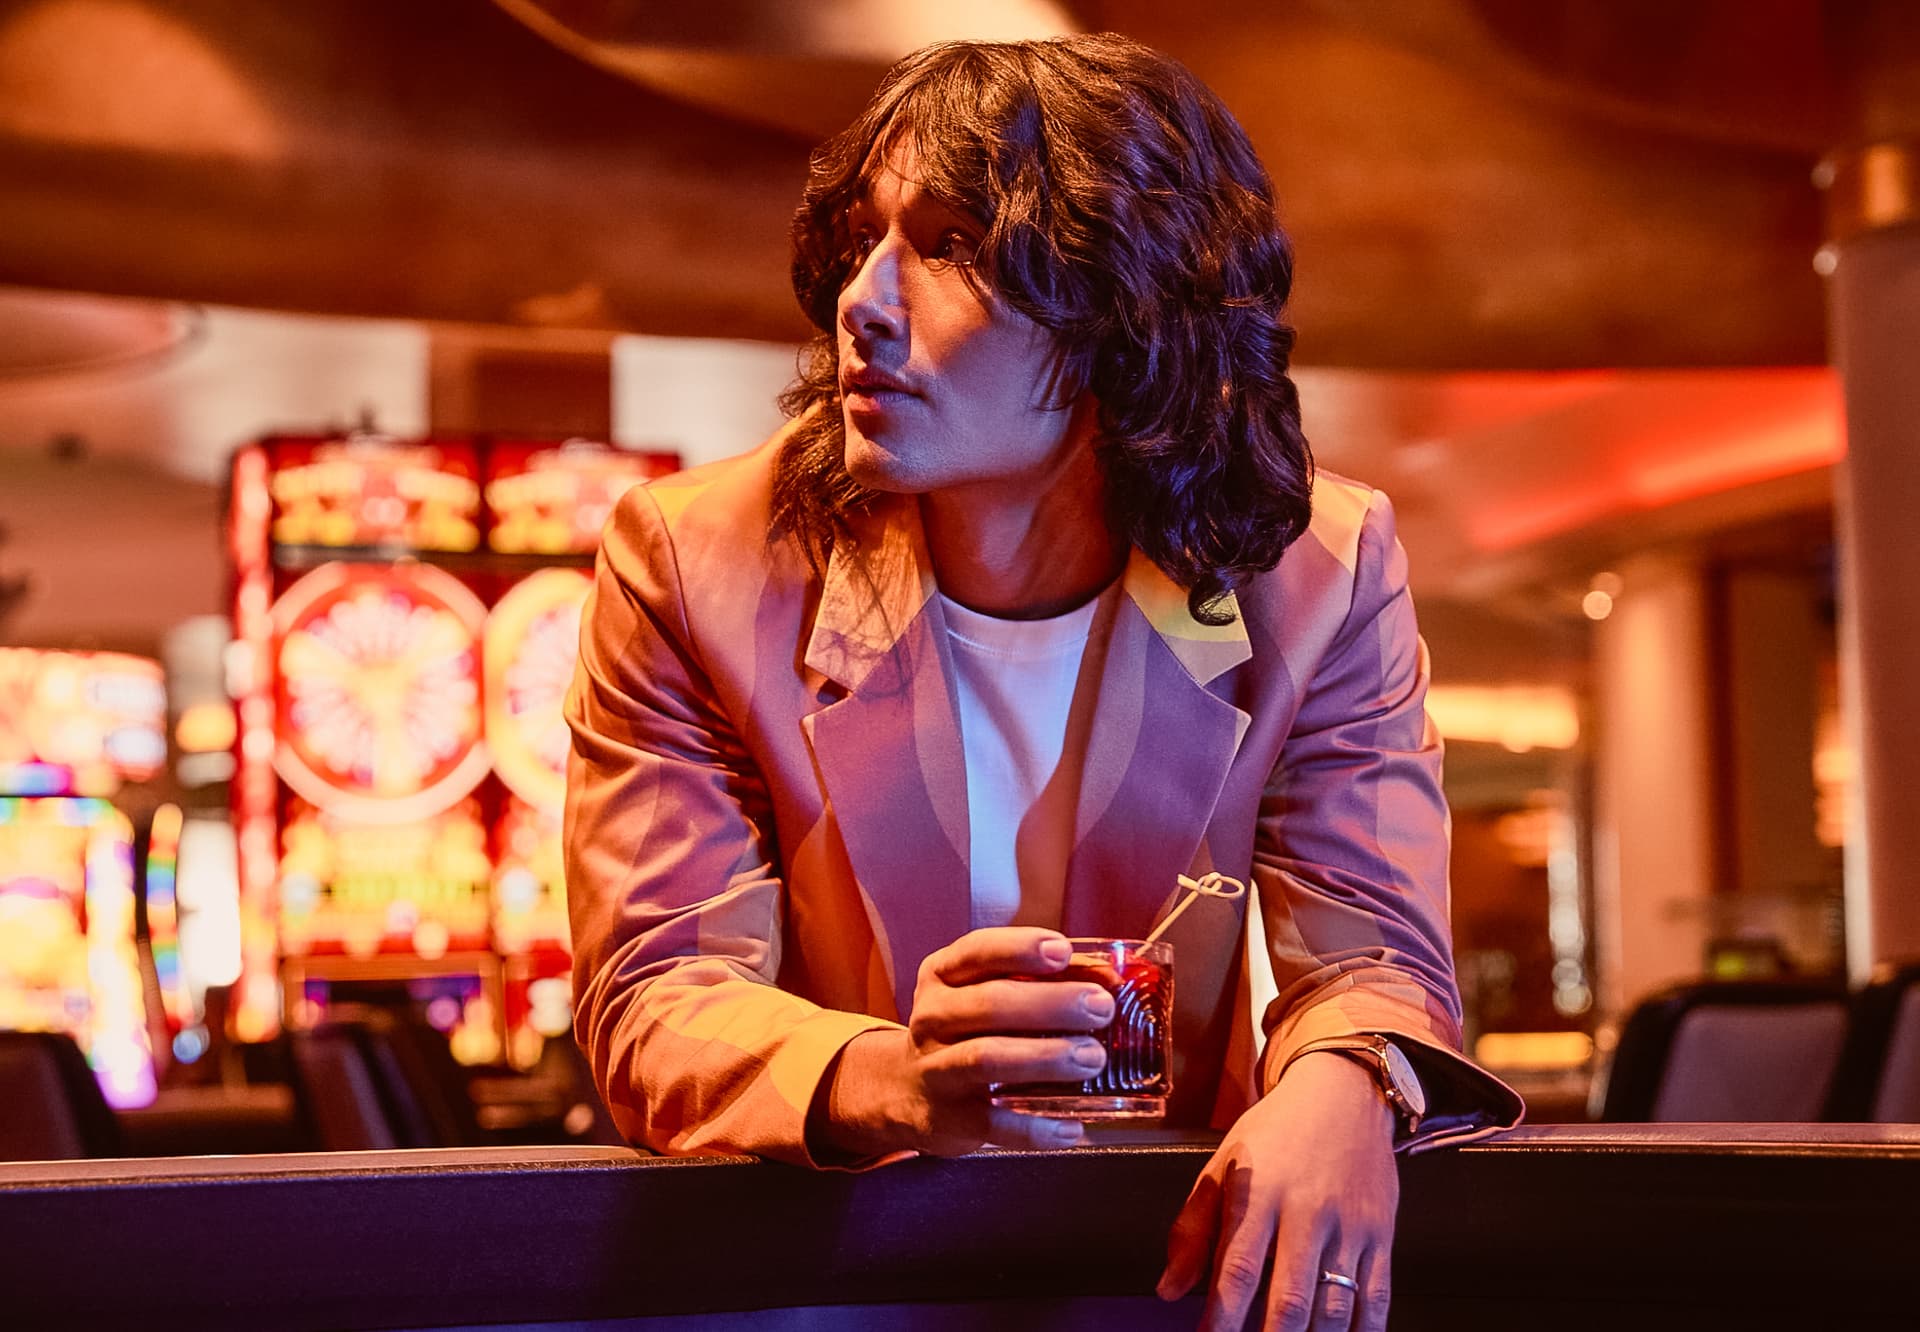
(1872, 261)
(1653, 844)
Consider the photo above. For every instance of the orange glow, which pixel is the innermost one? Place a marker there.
(1664, 443)
(1540, 517)
(1835, 776)
(1518, 717)
(1534, 1050)
(205, 728)
(1787, 448)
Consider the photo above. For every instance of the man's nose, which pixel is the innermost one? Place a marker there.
(871, 306)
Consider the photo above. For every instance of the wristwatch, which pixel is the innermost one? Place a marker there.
(1391, 1070)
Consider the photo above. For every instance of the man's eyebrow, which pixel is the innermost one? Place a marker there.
(859, 193)
(921, 201)
(931, 202)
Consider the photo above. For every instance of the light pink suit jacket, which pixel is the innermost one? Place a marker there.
(767, 814)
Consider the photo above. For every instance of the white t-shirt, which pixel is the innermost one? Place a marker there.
(1016, 682)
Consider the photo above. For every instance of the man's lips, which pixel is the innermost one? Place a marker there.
(870, 383)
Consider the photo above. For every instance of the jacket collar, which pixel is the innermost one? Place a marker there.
(878, 579)
(1207, 651)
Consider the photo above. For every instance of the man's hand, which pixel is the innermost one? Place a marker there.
(973, 1025)
(1306, 1178)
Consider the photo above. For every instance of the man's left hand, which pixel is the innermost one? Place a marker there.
(1306, 1177)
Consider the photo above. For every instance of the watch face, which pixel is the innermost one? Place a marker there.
(1400, 1069)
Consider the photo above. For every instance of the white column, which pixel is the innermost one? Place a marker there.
(1653, 811)
(1873, 262)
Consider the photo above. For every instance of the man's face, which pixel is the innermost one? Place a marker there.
(942, 384)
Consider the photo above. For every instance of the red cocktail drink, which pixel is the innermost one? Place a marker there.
(1139, 1041)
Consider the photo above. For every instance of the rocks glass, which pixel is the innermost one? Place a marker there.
(1139, 1041)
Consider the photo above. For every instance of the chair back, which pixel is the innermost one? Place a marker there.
(335, 1089)
(1718, 1051)
(369, 1079)
(1897, 1100)
(52, 1108)
(1879, 1077)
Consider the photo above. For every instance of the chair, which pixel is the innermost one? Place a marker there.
(1879, 1076)
(369, 1079)
(334, 1088)
(1727, 1051)
(53, 1109)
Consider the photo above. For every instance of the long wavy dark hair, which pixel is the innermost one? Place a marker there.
(1127, 213)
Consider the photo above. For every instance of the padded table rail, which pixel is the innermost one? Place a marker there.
(1640, 1226)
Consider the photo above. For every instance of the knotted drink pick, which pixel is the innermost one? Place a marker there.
(1210, 884)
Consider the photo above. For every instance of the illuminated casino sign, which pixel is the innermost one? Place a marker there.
(554, 499)
(367, 888)
(99, 716)
(370, 491)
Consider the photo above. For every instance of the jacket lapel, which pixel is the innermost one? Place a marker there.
(1159, 747)
(889, 753)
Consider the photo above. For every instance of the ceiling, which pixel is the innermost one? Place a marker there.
(1555, 291)
(1471, 183)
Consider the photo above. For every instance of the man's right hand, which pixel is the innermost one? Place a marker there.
(974, 1024)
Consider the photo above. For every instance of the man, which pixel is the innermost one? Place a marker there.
(1034, 606)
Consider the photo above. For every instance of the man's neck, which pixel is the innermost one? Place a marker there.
(1025, 551)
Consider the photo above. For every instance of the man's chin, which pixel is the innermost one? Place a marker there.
(872, 466)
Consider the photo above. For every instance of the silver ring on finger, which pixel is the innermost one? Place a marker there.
(1330, 1277)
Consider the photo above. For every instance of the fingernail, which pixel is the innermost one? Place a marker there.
(1057, 951)
(1064, 1131)
(1088, 1054)
(1098, 1003)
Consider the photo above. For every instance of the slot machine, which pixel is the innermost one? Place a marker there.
(406, 621)
(75, 729)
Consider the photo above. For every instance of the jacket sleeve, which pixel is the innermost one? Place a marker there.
(1350, 858)
(673, 889)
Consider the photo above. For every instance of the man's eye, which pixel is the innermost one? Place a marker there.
(955, 247)
(861, 244)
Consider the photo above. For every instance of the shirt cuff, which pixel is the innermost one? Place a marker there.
(1464, 1101)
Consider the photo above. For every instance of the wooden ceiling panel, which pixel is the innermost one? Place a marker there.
(1446, 220)
(432, 160)
(1463, 191)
